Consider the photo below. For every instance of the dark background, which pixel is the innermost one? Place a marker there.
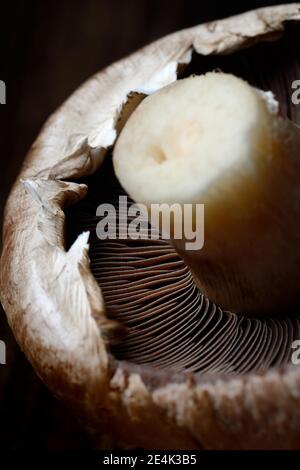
(48, 48)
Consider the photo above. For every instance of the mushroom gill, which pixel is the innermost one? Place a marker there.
(170, 324)
(148, 287)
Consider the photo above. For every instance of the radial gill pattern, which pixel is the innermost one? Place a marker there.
(170, 324)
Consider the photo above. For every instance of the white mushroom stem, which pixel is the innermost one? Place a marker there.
(217, 141)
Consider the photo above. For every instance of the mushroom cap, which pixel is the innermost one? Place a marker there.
(55, 305)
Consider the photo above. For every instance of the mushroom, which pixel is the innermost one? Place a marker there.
(118, 329)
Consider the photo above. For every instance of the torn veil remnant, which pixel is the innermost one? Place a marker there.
(53, 301)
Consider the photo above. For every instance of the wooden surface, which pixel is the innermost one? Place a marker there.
(50, 48)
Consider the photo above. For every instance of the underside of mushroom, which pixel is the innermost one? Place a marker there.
(149, 288)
